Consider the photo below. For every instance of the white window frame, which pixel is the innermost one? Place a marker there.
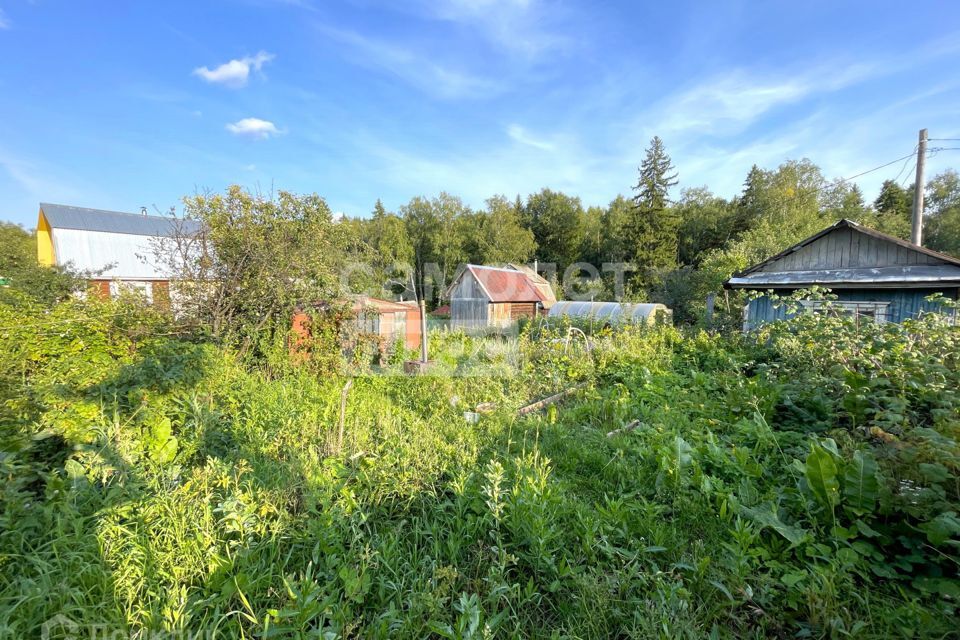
(872, 309)
(143, 287)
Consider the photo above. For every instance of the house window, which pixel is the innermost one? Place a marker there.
(870, 310)
(368, 321)
(132, 286)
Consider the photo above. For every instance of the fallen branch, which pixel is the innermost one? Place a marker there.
(630, 427)
(540, 404)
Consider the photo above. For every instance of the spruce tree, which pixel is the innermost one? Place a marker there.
(652, 227)
(893, 200)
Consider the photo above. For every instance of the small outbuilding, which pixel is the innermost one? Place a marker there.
(482, 296)
(390, 320)
(609, 313)
(873, 275)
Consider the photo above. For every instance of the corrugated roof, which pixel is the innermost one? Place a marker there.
(506, 285)
(539, 282)
(912, 275)
(61, 216)
(383, 306)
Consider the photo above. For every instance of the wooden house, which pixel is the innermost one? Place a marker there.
(391, 321)
(482, 296)
(118, 247)
(872, 274)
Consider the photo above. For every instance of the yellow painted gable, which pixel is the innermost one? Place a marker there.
(45, 242)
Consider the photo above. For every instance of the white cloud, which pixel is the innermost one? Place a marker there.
(518, 133)
(415, 69)
(4, 20)
(515, 26)
(236, 73)
(253, 128)
(730, 102)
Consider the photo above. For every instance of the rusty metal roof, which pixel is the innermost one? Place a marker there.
(506, 285)
(382, 306)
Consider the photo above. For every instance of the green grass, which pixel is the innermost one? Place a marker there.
(157, 483)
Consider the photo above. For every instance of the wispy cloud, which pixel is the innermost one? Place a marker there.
(4, 20)
(515, 26)
(416, 69)
(34, 181)
(732, 101)
(518, 133)
(235, 73)
(253, 128)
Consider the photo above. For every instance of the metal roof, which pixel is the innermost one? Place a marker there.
(504, 284)
(60, 216)
(905, 276)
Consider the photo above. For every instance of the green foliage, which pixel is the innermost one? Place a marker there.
(943, 207)
(18, 264)
(652, 227)
(803, 483)
(255, 259)
(556, 220)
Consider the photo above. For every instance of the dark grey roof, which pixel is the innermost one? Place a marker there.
(61, 216)
(899, 276)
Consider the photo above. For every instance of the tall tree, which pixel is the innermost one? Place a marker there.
(556, 220)
(943, 219)
(436, 235)
(892, 201)
(616, 218)
(652, 229)
(257, 257)
(386, 234)
(707, 222)
(497, 236)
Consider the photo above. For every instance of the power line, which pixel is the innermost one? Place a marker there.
(944, 139)
(909, 155)
(905, 165)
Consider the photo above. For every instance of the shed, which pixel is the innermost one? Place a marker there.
(388, 319)
(872, 274)
(611, 312)
(118, 247)
(482, 296)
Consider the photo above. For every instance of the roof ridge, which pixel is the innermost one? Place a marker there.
(111, 211)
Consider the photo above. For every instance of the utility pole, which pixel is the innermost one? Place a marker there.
(916, 235)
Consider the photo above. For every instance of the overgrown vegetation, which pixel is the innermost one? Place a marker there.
(803, 482)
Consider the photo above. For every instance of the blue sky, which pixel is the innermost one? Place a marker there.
(122, 104)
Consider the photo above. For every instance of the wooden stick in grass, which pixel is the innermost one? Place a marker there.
(540, 404)
(630, 427)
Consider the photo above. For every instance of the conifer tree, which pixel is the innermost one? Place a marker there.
(652, 228)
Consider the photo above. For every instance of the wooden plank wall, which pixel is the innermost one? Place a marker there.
(469, 304)
(500, 314)
(847, 248)
(904, 303)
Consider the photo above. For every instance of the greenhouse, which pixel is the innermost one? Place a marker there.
(611, 312)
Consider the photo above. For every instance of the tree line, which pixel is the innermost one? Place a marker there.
(678, 246)
(261, 255)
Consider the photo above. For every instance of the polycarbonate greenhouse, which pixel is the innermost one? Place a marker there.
(611, 312)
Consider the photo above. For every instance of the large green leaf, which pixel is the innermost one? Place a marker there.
(861, 483)
(766, 516)
(820, 471)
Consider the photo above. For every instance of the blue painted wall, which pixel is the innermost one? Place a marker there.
(904, 303)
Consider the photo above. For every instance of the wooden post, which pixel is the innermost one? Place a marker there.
(916, 235)
(423, 331)
(711, 301)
